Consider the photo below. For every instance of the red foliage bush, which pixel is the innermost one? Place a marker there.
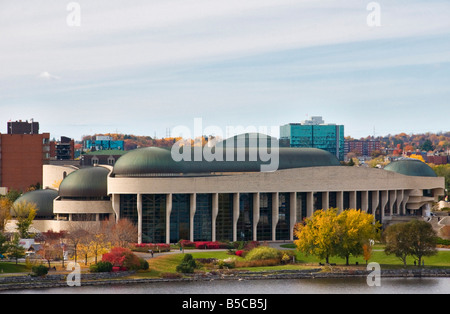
(239, 252)
(156, 247)
(122, 258)
(210, 245)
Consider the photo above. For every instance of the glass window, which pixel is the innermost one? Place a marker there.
(128, 207)
(203, 218)
(154, 218)
(264, 229)
(245, 221)
(283, 230)
(224, 220)
(179, 218)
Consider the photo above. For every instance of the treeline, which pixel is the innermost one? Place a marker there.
(411, 142)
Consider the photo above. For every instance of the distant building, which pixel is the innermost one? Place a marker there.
(103, 143)
(23, 127)
(362, 148)
(101, 157)
(22, 155)
(316, 134)
(437, 160)
(63, 149)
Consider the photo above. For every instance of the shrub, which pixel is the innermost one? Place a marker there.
(258, 263)
(124, 259)
(143, 264)
(155, 247)
(102, 267)
(186, 244)
(239, 253)
(227, 263)
(187, 265)
(262, 253)
(39, 271)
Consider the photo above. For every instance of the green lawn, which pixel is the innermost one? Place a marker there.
(8, 267)
(168, 263)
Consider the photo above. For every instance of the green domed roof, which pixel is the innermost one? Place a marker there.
(43, 199)
(411, 167)
(85, 182)
(154, 160)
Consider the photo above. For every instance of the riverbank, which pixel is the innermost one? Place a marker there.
(9, 283)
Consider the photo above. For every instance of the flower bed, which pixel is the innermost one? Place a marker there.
(155, 247)
(206, 245)
(210, 245)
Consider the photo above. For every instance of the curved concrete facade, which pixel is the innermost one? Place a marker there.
(262, 205)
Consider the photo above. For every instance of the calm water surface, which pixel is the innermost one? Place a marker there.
(291, 286)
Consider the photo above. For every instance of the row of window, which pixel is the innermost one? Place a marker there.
(154, 214)
(154, 217)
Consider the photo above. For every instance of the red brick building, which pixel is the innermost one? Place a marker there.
(22, 157)
(362, 148)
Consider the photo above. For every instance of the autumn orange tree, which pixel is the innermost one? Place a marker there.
(328, 233)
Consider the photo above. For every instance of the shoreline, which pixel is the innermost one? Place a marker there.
(9, 283)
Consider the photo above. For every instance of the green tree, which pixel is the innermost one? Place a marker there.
(423, 239)
(187, 265)
(416, 238)
(24, 213)
(427, 146)
(15, 250)
(397, 241)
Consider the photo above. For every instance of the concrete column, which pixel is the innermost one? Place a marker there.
(215, 212)
(116, 206)
(375, 201)
(309, 204)
(340, 201)
(399, 202)
(168, 212)
(392, 199)
(292, 213)
(325, 200)
(384, 200)
(352, 199)
(193, 208)
(235, 214)
(139, 212)
(275, 214)
(365, 201)
(256, 214)
(405, 200)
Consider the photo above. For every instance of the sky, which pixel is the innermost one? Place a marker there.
(149, 67)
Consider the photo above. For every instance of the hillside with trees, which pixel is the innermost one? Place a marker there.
(438, 142)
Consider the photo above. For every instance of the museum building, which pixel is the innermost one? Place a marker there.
(233, 200)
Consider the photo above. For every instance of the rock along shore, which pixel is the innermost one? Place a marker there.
(120, 278)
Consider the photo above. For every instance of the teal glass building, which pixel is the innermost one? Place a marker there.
(329, 137)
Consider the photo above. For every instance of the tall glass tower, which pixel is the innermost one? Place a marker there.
(314, 133)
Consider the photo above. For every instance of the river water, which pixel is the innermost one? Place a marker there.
(276, 286)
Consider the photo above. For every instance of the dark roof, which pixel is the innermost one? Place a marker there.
(85, 182)
(43, 199)
(411, 167)
(154, 160)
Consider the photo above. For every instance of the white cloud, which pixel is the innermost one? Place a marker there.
(47, 76)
